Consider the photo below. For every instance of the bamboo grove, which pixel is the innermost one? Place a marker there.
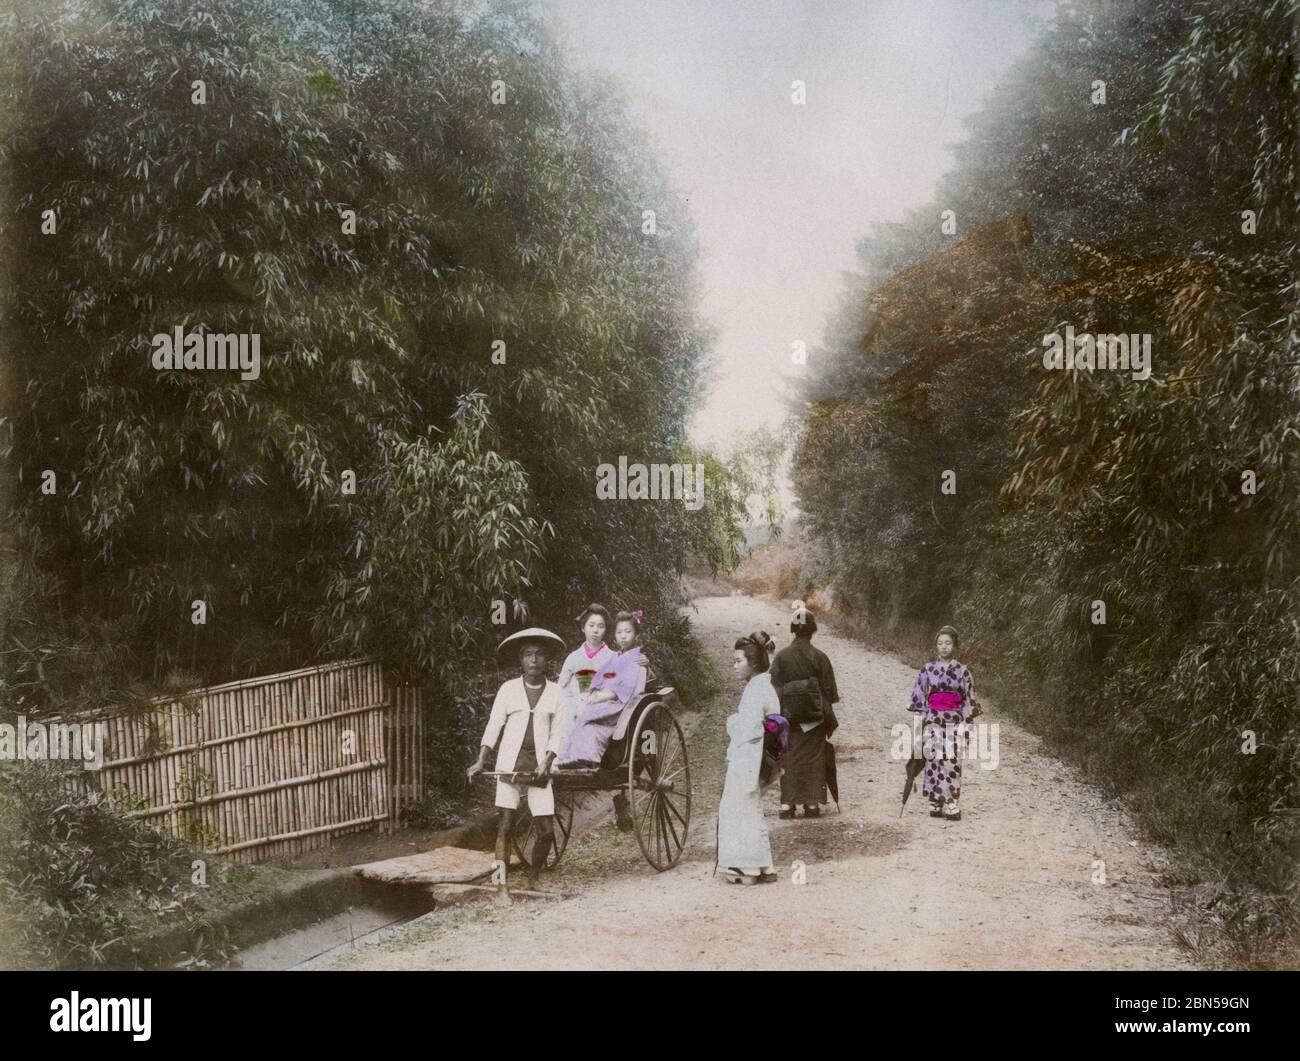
(440, 378)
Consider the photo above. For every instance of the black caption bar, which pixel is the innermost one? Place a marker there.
(300, 1010)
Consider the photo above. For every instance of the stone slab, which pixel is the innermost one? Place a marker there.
(442, 865)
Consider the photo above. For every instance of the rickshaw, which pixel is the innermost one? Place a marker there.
(646, 761)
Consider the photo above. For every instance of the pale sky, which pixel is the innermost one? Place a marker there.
(781, 193)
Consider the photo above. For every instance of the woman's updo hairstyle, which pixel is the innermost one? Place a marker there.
(589, 611)
(757, 648)
(628, 617)
(951, 631)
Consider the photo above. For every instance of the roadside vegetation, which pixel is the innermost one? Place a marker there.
(1173, 503)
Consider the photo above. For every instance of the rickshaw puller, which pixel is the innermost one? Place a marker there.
(525, 718)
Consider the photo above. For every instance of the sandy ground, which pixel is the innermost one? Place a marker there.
(1017, 884)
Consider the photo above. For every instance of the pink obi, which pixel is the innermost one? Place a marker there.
(945, 701)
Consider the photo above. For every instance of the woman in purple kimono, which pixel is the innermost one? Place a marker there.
(944, 697)
(618, 683)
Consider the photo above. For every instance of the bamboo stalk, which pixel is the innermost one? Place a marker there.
(308, 765)
(280, 715)
(248, 749)
(116, 729)
(164, 789)
(219, 788)
(295, 724)
(266, 752)
(392, 752)
(240, 805)
(230, 751)
(403, 807)
(408, 783)
(296, 834)
(404, 750)
(286, 766)
(300, 765)
(419, 692)
(408, 766)
(276, 740)
(388, 735)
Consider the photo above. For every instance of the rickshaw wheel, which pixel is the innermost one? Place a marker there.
(521, 832)
(659, 786)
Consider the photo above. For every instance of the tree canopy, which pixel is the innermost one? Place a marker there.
(438, 233)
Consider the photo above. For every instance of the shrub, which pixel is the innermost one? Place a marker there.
(78, 879)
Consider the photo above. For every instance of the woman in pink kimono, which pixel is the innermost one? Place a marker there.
(944, 696)
(591, 655)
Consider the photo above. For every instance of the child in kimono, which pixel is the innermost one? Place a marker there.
(616, 687)
(944, 696)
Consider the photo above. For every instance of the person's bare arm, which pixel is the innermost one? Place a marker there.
(545, 768)
(479, 764)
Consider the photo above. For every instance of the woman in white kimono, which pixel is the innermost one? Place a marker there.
(744, 850)
(591, 655)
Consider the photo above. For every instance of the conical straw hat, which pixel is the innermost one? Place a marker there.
(552, 642)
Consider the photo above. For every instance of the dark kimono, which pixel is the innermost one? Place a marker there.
(944, 696)
(804, 779)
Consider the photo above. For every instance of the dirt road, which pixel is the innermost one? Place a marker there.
(1017, 884)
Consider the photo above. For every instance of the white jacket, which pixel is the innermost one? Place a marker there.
(510, 715)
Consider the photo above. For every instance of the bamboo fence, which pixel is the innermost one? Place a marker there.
(269, 767)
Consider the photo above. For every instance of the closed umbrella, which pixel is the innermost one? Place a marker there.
(832, 777)
(914, 767)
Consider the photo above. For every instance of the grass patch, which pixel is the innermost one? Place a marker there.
(82, 886)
